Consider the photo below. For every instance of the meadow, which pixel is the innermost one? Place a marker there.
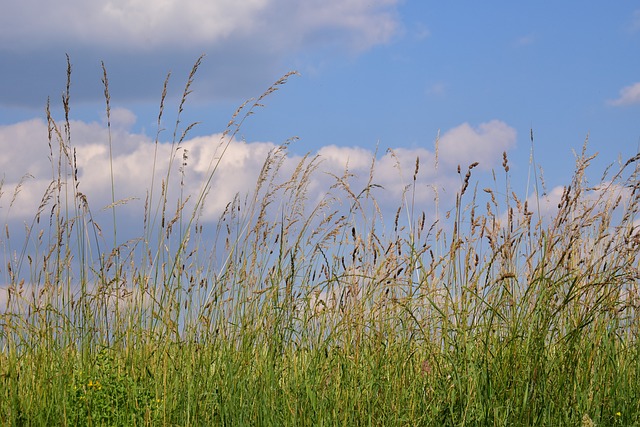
(289, 311)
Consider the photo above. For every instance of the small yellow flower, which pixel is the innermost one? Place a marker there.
(618, 414)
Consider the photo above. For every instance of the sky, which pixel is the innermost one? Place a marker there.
(373, 75)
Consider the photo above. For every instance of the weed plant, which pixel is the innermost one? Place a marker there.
(288, 311)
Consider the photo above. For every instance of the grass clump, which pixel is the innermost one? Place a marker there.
(291, 311)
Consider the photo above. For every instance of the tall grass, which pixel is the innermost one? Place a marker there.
(290, 311)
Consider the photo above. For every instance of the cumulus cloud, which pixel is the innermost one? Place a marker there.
(355, 158)
(133, 157)
(132, 160)
(606, 198)
(121, 118)
(628, 95)
(485, 143)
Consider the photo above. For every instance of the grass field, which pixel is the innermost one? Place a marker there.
(292, 312)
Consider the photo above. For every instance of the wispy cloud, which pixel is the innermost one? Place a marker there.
(634, 26)
(628, 95)
(526, 40)
(437, 89)
(421, 32)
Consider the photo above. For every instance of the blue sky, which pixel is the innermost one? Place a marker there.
(378, 73)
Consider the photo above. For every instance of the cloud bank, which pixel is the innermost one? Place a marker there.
(28, 167)
(144, 24)
(247, 43)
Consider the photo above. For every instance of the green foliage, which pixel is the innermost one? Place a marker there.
(109, 395)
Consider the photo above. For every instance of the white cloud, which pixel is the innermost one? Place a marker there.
(132, 161)
(146, 24)
(22, 140)
(122, 118)
(628, 95)
(485, 144)
(355, 158)
(126, 23)
(597, 200)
